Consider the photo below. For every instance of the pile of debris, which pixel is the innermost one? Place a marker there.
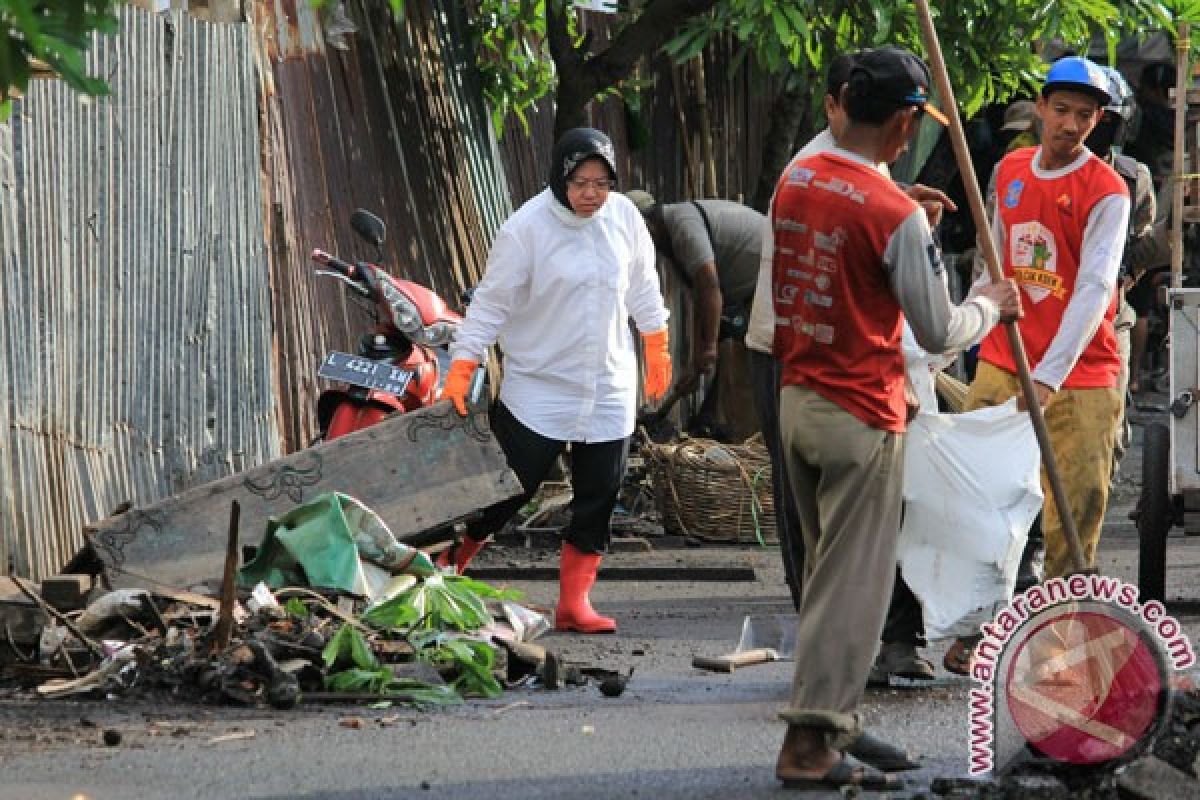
(354, 616)
(443, 638)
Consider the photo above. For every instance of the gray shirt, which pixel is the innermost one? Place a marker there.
(735, 248)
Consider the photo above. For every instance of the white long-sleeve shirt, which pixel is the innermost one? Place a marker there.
(557, 294)
(1099, 265)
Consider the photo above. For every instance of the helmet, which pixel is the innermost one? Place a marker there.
(1114, 126)
(572, 149)
(1120, 95)
(1077, 74)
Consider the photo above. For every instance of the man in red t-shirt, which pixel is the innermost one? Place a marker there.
(1059, 222)
(852, 259)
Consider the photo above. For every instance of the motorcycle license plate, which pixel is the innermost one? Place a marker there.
(364, 372)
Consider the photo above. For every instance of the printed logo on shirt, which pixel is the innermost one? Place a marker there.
(799, 275)
(830, 242)
(823, 334)
(790, 225)
(822, 281)
(1034, 256)
(1013, 196)
(812, 298)
(800, 176)
(841, 186)
(807, 259)
(786, 295)
(827, 264)
(1064, 203)
(935, 258)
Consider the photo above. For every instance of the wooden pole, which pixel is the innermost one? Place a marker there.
(224, 628)
(979, 212)
(1179, 160)
(689, 174)
(709, 167)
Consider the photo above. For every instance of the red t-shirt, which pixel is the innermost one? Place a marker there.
(1043, 222)
(838, 324)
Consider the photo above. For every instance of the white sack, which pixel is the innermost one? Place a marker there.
(972, 488)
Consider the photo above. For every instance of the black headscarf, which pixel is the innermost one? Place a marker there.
(572, 149)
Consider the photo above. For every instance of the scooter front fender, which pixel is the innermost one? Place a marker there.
(340, 411)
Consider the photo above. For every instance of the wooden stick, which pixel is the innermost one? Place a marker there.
(1179, 160)
(979, 211)
(224, 627)
(61, 618)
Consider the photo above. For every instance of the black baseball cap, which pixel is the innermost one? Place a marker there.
(897, 76)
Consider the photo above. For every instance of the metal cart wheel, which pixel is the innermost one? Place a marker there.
(1155, 513)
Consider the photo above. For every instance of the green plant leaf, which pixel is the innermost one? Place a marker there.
(349, 647)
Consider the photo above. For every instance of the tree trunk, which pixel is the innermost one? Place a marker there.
(583, 75)
(791, 115)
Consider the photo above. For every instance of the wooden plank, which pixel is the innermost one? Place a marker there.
(417, 471)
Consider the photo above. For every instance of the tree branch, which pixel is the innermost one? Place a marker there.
(581, 76)
(653, 27)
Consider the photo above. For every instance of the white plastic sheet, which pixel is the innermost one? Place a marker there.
(971, 488)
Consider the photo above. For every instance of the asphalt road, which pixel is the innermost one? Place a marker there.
(675, 733)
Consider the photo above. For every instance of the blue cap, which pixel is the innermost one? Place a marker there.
(1077, 74)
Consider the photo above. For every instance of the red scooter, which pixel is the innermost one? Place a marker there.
(402, 363)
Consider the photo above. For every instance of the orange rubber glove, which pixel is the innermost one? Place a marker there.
(458, 383)
(658, 364)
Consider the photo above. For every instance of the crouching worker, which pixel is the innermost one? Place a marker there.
(853, 258)
(565, 274)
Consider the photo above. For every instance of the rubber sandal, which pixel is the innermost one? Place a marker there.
(958, 657)
(872, 750)
(848, 771)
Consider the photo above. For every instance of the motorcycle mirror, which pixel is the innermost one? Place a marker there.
(368, 226)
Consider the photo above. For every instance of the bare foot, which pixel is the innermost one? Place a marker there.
(805, 754)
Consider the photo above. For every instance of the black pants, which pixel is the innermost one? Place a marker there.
(597, 469)
(764, 372)
(904, 624)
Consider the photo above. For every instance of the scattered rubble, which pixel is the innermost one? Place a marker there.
(1170, 770)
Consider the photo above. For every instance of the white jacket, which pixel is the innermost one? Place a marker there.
(558, 294)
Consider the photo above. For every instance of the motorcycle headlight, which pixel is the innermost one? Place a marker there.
(405, 316)
(438, 334)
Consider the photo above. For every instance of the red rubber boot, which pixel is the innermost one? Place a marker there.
(460, 555)
(576, 574)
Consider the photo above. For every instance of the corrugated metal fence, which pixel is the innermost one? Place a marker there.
(392, 124)
(162, 321)
(135, 342)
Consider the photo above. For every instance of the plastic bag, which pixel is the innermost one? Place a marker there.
(334, 542)
(972, 488)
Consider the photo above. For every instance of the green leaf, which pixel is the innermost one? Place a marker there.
(473, 660)
(295, 606)
(349, 647)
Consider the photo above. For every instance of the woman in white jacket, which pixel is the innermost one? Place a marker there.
(566, 273)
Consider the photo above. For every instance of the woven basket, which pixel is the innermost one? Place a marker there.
(712, 491)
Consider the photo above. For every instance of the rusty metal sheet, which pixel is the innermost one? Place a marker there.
(135, 347)
(417, 471)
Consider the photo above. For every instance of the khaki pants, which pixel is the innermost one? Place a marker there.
(847, 481)
(1082, 425)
